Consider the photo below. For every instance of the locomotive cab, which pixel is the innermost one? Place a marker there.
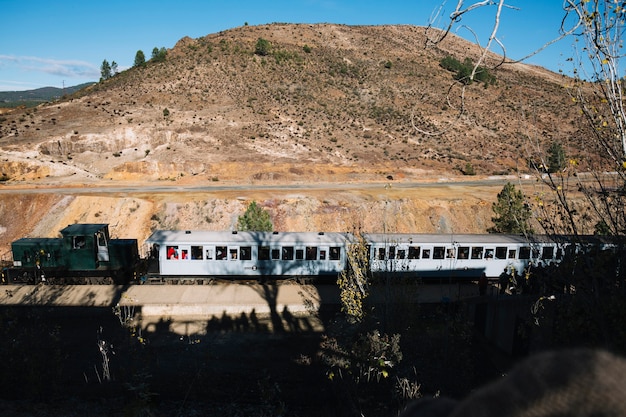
(86, 246)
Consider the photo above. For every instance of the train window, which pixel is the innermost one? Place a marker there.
(245, 253)
(101, 239)
(548, 252)
(78, 242)
(299, 254)
(209, 253)
(233, 254)
(172, 252)
(439, 252)
(401, 253)
(196, 252)
(275, 254)
(477, 252)
(335, 253)
(184, 254)
(450, 253)
(512, 253)
(322, 254)
(535, 253)
(381, 254)
(559, 253)
(287, 253)
(464, 252)
(264, 253)
(392, 252)
(501, 252)
(311, 253)
(220, 253)
(414, 252)
(489, 253)
(524, 252)
(426, 253)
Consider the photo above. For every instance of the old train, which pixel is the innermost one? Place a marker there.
(86, 253)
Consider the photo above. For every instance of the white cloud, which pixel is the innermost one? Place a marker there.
(57, 67)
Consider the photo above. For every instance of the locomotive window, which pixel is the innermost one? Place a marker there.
(477, 252)
(414, 252)
(220, 253)
(450, 253)
(311, 253)
(512, 253)
(426, 253)
(439, 252)
(381, 253)
(401, 253)
(548, 252)
(264, 253)
(464, 252)
(335, 253)
(275, 254)
(299, 254)
(246, 253)
(287, 253)
(78, 242)
(392, 252)
(101, 239)
(501, 252)
(524, 252)
(322, 254)
(233, 254)
(172, 252)
(196, 252)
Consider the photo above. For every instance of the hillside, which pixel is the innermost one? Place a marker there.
(326, 103)
(31, 98)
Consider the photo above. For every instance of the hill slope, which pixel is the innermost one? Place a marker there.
(362, 99)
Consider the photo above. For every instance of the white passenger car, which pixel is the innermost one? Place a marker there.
(247, 254)
(458, 256)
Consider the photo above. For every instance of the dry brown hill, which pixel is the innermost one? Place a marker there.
(327, 103)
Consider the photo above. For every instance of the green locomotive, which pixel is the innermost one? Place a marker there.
(84, 254)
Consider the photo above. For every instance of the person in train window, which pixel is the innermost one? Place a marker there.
(184, 254)
(172, 252)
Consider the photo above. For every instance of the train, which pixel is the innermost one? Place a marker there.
(86, 254)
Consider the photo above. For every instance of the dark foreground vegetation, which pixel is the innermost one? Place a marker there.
(85, 361)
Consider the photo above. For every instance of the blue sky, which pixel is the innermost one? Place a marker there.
(63, 42)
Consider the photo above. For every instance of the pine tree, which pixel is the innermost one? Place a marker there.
(105, 70)
(140, 59)
(255, 219)
(511, 212)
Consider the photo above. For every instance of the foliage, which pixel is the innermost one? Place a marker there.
(556, 158)
(360, 356)
(355, 280)
(140, 59)
(262, 47)
(255, 219)
(105, 70)
(512, 213)
(469, 169)
(463, 71)
(166, 112)
(159, 55)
